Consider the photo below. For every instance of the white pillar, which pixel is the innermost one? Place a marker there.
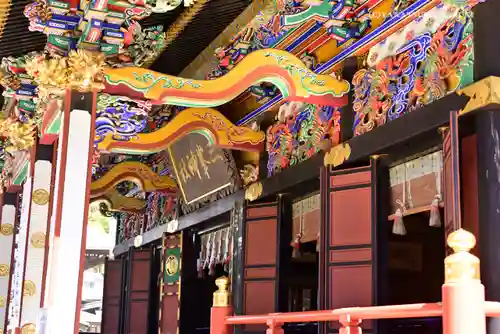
(37, 235)
(71, 210)
(7, 223)
(21, 240)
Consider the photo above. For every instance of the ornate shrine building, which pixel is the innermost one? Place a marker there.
(316, 153)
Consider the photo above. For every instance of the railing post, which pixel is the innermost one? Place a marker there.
(463, 293)
(274, 327)
(349, 325)
(221, 308)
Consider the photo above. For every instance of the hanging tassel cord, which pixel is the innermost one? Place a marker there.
(398, 227)
(298, 237)
(435, 217)
(318, 242)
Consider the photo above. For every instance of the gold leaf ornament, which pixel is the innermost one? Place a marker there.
(6, 229)
(253, 191)
(28, 329)
(337, 155)
(41, 197)
(29, 288)
(38, 240)
(4, 270)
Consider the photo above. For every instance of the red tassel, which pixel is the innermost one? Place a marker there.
(435, 217)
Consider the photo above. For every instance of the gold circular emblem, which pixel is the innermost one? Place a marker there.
(29, 289)
(40, 196)
(2, 302)
(172, 265)
(38, 240)
(6, 229)
(4, 270)
(28, 329)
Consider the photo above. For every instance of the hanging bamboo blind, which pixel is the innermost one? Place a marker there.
(416, 183)
(306, 218)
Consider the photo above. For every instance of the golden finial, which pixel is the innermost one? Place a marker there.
(461, 241)
(222, 297)
(461, 265)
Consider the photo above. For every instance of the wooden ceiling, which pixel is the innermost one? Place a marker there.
(205, 26)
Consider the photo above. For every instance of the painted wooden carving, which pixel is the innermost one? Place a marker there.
(136, 172)
(117, 202)
(434, 62)
(284, 70)
(217, 128)
(349, 242)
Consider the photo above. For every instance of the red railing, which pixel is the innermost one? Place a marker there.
(463, 307)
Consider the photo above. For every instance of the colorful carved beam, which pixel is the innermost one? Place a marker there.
(136, 172)
(209, 121)
(118, 202)
(294, 80)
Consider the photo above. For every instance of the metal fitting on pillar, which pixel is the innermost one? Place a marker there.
(461, 265)
(463, 293)
(222, 297)
(221, 308)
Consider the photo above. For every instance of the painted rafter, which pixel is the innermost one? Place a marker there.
(136, 172)
(211, 122)
(287, 72)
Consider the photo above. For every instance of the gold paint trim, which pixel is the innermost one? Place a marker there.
(5, 7)
(481, 93)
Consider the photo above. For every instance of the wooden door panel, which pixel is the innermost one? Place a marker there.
(112, 296)
(139, 291)
(349, 261)
(260, 259)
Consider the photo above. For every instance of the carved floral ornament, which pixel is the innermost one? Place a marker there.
(81, 70)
